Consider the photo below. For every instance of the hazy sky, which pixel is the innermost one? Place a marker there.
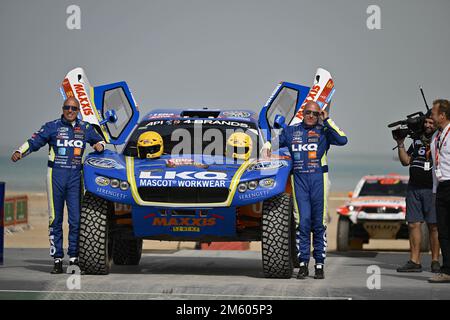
(228, 53)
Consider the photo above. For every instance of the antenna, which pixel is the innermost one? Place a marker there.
(424, 99)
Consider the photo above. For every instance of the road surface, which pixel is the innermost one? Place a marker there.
(196, 274)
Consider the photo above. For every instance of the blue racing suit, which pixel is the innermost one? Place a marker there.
(308, 147)
(67, 142)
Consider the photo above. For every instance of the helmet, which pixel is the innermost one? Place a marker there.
(150, 145)
(239, 144)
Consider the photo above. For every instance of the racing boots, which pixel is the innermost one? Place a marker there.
(410, 266)
(303, 271)
(57, 266)
(319, 272)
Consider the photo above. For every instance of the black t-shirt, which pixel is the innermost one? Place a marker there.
(420, 167)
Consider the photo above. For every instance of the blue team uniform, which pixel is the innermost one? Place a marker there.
(67, 142)
(308, 147)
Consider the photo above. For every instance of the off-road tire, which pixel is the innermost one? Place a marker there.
(94, 244)
(277, 237)
(127, 252)
(343, 233)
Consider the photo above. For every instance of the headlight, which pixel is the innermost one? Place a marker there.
(252, 185)
(115, 183)
(242, 187)
(351, 208)
(124, 185)
(267, 183)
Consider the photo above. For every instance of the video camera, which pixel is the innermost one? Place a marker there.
(413, 125)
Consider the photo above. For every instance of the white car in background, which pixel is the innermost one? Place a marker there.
(376, 209)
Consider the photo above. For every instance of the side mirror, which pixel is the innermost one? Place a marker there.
(350, 194)
(110, 116)
(279, 122)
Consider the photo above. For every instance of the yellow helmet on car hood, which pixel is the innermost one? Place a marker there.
(150, 145)
(239, 144)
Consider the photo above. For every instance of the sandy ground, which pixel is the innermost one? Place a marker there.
(36, 236)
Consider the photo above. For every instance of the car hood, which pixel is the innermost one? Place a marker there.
(377, 201)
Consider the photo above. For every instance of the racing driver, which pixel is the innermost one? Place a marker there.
(308, 143)
(67, 139)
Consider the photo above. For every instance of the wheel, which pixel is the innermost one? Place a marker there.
(294, 251)
(343, 234)
(277, 237)
(94, 243)
(127, 252)
(425, 239)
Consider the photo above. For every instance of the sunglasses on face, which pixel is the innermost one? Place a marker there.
(313, 113)
(73, 108)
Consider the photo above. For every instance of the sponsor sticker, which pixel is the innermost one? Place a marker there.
(104, 163)
(236, 114)
(102, 181)
(77, 152)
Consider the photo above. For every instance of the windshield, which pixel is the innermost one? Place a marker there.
(182, 136)
(395, 188)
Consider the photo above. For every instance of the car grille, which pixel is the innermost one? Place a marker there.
(183, 195)
(380, 210)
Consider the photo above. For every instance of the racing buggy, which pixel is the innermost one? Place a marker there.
(376, 210)
(184, 175)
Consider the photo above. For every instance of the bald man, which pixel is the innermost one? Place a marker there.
(67, 138)
(308, 143)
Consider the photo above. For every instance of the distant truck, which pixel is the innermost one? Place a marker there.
(376, 209)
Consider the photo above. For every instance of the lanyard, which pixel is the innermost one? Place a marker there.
(438, 145)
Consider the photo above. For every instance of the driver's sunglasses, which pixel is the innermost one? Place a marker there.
(73, 108)
(313, 113)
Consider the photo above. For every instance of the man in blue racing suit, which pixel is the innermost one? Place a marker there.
(67, 138)
(308, 143)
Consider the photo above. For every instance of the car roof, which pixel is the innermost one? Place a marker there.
(202, 113)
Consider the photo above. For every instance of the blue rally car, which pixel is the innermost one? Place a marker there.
(184, 175)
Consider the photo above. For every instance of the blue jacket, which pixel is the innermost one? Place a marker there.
(66, 142)
(309, 145)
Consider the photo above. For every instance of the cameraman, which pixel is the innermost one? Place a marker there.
(420, 205)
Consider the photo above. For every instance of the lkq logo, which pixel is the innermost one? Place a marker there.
(69, 143)
(206, 175)
(305, 147)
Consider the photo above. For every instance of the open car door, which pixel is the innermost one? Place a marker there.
(110, 108)
(289, 99)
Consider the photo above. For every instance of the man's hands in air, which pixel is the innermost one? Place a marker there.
(16, 156)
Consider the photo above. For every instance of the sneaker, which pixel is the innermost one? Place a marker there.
(57, 267)
(435, 267)
(303, 271)
(440, 278)
(410, 266)
(319, 272)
